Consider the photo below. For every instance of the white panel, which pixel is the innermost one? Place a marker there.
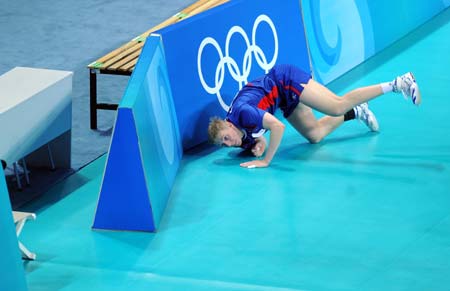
(30, 101)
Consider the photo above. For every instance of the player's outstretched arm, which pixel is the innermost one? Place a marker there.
(276, 128)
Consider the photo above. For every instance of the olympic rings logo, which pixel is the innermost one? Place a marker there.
(240, 76)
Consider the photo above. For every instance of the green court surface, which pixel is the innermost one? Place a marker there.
(359, 211)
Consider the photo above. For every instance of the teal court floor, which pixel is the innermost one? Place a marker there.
(359, 211)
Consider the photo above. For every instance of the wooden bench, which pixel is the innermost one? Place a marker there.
(19, 220)
(122, 60)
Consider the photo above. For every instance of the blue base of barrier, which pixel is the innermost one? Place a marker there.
(145, 149)
(126, 205)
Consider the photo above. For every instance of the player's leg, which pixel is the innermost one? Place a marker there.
(314, 130)
(319, 97)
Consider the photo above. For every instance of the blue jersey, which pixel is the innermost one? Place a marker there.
(280, 88)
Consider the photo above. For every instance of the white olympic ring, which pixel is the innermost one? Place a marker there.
(252, 49)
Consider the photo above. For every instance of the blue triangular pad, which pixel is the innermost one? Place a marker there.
(12, 276)
(124, 197)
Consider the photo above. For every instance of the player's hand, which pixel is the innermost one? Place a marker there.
(258, 149)
(255, 164)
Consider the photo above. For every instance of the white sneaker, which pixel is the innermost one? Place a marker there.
(407, 85)
(363, 114)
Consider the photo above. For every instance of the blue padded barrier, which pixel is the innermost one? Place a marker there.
(145, 149)
(343, 34)
(12, 276)
(210, 56)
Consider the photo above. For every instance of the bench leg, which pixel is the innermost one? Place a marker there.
(50, 156)
(26, 254)
(16, 172)
(93, 98)
(25, 171)
(19, 227)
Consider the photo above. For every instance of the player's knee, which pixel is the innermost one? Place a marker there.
(338, 109)
(314, 139)
(314, 136)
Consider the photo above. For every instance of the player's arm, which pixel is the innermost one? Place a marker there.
(276, 128)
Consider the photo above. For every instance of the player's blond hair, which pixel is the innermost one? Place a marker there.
(216, 124)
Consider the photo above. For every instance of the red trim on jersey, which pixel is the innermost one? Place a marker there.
(268, 99)
(293, 89)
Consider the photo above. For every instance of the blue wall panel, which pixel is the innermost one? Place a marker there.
(12, 276)
(210, 56)
(145, 149)
(342, 34)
